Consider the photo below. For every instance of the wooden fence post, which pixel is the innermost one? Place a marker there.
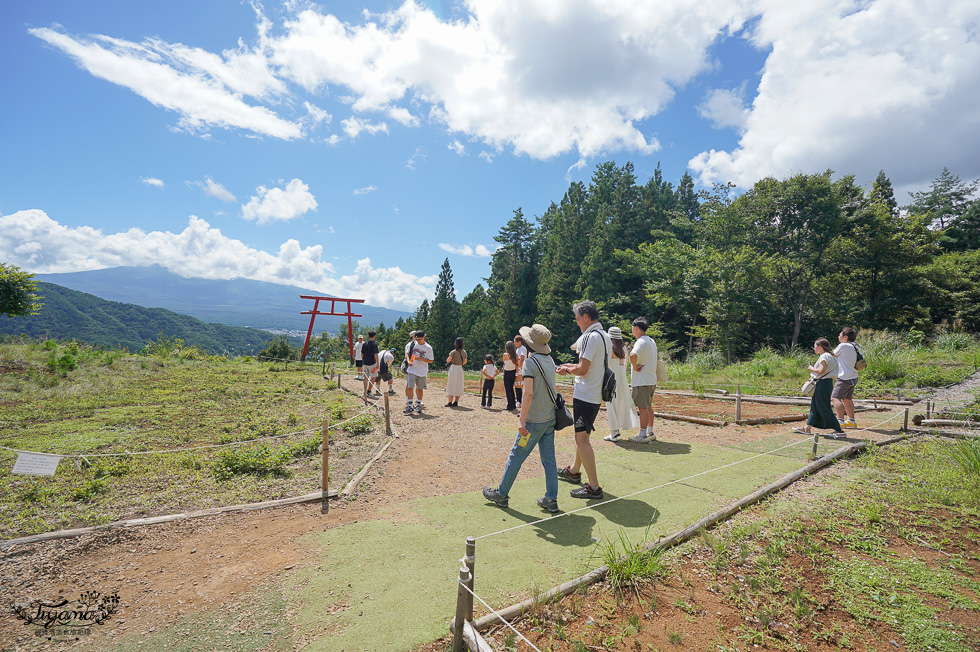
(387, 415)
(461, 594)
(738, 404)
(905, 428)
(470, 561)
(814, 443)
(325, 506)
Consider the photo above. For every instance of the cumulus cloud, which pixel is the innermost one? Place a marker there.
(214, 189)
(365, 190)
(855, 86)
(725, 108)
(457, 147)
(270, 204)
(206, 89)
(479, 251)
(36, 243)
(354, 126)
(152, 181)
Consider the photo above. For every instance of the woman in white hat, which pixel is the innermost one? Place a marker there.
(620, 411)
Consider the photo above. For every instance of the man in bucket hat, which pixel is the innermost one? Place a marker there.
(536, 423)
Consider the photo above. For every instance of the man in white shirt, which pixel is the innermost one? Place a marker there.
(358, 361)
(418, 370)
(843, 395)
(519, 380)
(643, 357)
(594, 348)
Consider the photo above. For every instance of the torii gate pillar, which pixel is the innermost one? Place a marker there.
(333, 312)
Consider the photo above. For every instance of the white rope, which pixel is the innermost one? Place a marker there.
(499, 617)
(195, 448)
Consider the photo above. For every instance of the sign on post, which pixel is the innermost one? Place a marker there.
(36, 464)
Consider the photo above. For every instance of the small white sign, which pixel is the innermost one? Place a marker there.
(36, 464)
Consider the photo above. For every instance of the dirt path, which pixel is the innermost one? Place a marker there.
(163, 572)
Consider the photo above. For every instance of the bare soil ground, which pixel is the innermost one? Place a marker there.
(169, 570)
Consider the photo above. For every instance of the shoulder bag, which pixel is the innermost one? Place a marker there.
(608, 377)
(404, 365)
(860, 364)
(563, 418)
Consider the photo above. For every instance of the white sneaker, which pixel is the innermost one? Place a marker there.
(613, 436)
(644, 439)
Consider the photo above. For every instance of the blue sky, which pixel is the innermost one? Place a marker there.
(349, 147)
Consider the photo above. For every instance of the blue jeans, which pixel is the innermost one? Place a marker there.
(542, 436)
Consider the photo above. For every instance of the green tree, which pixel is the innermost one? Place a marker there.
(18, 292)
(883, 193)
(946, 200)
(280, 349)
(478, 333)
(442, 327)
(512, 285)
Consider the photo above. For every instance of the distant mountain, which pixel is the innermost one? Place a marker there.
(238, 302)
(67, 314)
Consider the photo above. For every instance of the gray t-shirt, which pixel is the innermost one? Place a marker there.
(542, 408)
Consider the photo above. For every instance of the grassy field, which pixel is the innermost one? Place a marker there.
(259, 424)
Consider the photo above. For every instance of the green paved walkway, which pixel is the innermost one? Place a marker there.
(390, 583)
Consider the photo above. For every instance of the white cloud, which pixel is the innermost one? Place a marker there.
(479, 250)
(365, 190)
(542, 78)
(354, 126)
(457, 147)
(857, 86)
(486, 156)
(36, 243)
(403, 116)
(333, 139)
(152, 181)
(269, 204)
(204, 88)
(725, 108)
(417, 156)
(214, 189)
(316, 115)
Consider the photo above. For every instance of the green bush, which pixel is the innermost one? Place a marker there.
(306, 448)
(706, 360)
(359, 425)
(931, 375)
(951, 342)
(260, 460)
(90, 490)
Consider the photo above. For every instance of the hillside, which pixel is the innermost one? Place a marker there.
(238, 302)
(68, 314)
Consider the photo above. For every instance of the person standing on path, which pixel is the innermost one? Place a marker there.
(824, 370)
(454, 380)
(385, 358)
(594, 349)
(510, 374)
(536, 423)
(358, 360)
(842, 397)
(369, 362)
(489, 373)
(519, 379)
(620, 412)
(643, 358)
(418, 370)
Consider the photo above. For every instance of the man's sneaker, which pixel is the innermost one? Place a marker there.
(648, 438)
(550, 504)
(613, 436)
(418, 408)
(494, 497)
(587, 492)
(391, 391)
(408, 410)
(567, 474)
(850, 423)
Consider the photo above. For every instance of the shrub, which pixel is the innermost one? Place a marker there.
(951, 342)
(706, 360)
(306, 448)
(260, 460)
(90, 490)
(966, 455)
(359, 425)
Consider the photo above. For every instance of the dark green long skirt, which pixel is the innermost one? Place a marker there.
(821, 413)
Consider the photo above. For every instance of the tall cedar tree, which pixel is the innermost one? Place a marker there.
(442, 327)
(513, 276)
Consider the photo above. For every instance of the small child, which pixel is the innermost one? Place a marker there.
(489, 372)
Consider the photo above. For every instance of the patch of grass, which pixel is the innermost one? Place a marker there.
(630, 564)
(259, 460)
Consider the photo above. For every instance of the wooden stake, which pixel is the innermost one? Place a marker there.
(470, 561)
(325, 506)
(738, 405)
(461, 594)
(814, 443)
(905, 428)
(387, 415)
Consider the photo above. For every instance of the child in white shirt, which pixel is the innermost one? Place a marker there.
(489, 372)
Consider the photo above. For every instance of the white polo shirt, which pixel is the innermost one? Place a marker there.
(588, 388)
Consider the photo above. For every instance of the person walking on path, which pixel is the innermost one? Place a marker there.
(418, 371)
(536, 423)
(620, 412)
(847, 375)
(369, 361)
(510, 374)
(358, 359)
(824, 370)
(594, 349)
(454, 380)
(519, 379)
(643, 358)
(489, 372)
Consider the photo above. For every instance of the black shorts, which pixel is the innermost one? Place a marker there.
(359, 363)
(585, 414)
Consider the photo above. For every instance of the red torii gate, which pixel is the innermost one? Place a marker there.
(333, 303)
